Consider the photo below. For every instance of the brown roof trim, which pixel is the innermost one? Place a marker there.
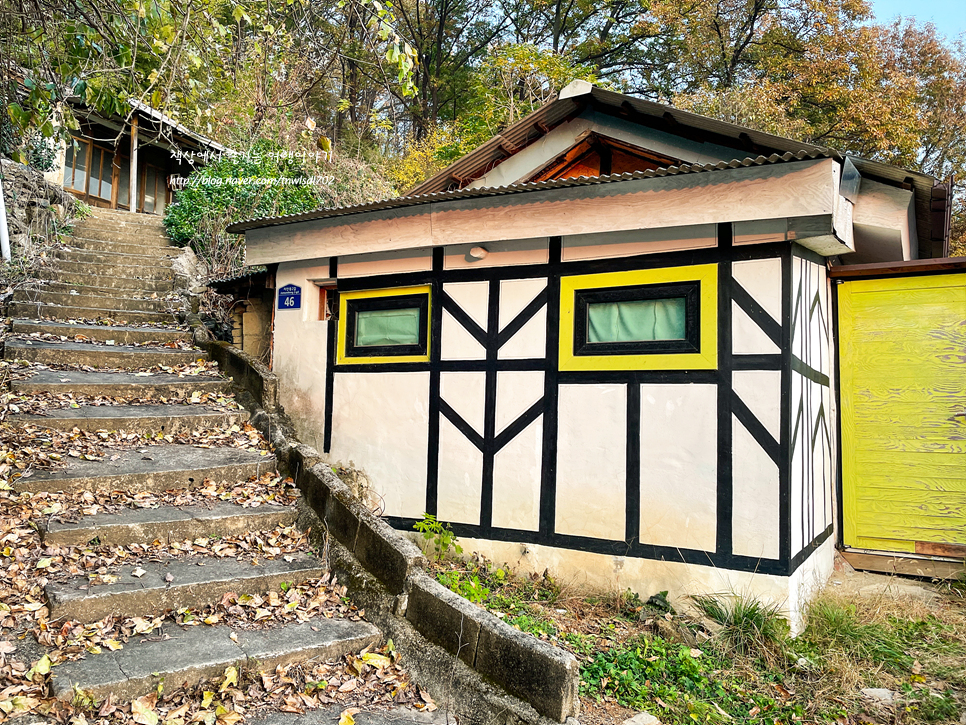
(891, 269)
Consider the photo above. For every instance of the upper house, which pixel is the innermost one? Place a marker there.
(600, 343)
(128, 162)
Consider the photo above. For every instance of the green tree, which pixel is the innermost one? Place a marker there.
(511, 82)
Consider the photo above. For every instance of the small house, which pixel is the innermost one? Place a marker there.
(599, 344)
(129, 163)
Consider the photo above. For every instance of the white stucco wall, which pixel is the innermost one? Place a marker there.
(300, 350)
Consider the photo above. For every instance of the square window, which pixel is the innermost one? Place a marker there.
(385, 326)
(640, 319)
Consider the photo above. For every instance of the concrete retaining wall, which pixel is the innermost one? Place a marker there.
(385, 574)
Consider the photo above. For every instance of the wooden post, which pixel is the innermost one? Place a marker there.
(133, 192)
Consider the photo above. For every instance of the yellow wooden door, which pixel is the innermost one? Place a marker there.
(902, 373)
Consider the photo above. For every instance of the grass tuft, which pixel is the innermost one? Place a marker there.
(748, 625)
(833, 624)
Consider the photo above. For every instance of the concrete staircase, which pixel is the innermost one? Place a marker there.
(116, 269)
(117, 261)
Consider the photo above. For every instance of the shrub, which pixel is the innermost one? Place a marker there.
(202, 210)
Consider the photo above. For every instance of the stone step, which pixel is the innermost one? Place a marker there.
(119, 385)
(126, 218)
(87, 290)
(39, 311)
(79, 241)
(167, 523)
(120, 335)
(110, 281)
(332, 714)
(66, 299)
(98, 356)
(126, 232)
(193, 654)
(125, 215)
(172, 584)
(153, 468)
(114, 270)
(105, 257)
(146, 419)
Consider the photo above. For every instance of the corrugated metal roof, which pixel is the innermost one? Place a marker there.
(668, 118)
(442, 196)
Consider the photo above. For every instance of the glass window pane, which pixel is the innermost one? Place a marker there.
(69, 167)
(78, 157)
(107, 175)
(387, 327)
(636, 320)
(124, 182)
(161, 191)
(150, 179)
(97, 170)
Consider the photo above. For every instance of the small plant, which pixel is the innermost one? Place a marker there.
(82, 210)
(466, 585)
(748, 625)
(440, 534)
(533, 624)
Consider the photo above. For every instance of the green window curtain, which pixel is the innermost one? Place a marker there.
(387, 327)
(636, 320)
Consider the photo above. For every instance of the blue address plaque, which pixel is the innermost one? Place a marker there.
(290, 297)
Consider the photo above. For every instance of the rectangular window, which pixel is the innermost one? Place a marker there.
(643, 319)
(384, 326)
(75, 166)
(102, 170)
(638, 319)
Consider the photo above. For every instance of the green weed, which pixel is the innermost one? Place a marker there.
(465, 584)
(672, 683)
(533, 624)
(441, 534)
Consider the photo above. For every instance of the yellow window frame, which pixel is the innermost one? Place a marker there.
(705, 359)
(345, 297)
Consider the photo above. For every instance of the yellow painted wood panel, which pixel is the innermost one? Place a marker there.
(912, 483)
(902, 353)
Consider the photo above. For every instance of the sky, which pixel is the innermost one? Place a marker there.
(949, 16)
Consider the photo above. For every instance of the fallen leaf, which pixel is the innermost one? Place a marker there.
(40, 667)
(231, 679)
(142, 710)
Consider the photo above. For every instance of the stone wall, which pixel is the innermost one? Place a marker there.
(36, 208)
